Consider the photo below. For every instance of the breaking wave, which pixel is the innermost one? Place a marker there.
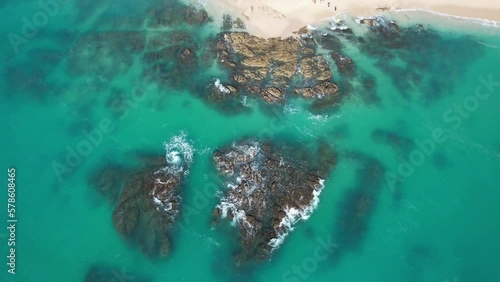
(293, 215)
(179, 154)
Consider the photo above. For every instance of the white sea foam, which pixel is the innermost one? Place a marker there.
(165, 203)
(318, 118)
(310, 27)
(179, 154)
(244, 101)
(221, 87)
(244, 153)
(239, 215)
(483, 22)
(289, 108)
(292, 215)
(338, 25)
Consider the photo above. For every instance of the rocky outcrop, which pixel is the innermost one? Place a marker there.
(150, 203)
(388, 29)
(320, 90)
(270, 188)
(272, 95)
(268, 67)
(148, 196)
(148, 208)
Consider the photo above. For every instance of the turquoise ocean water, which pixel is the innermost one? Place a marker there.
(430, 209)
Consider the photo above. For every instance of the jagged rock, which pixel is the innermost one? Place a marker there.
(315, 68)
(217, 92)
(149, 205)
(270, 187)
(321, 90)
(388, 29)
(187, 58)
(147, 210)
(272, 95)
(266, 67)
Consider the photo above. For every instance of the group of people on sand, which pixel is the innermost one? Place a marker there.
(323, 1)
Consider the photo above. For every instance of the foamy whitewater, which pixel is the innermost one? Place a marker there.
(179, 154)
(294, 215)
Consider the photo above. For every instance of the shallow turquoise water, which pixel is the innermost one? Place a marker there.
(438, 223)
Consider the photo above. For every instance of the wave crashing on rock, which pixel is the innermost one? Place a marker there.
(270, 188)
(150, 203)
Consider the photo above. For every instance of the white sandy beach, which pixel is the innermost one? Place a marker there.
(280, 18)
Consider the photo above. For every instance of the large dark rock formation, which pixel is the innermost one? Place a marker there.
(270, 188)
(148, 209)
(147, 196)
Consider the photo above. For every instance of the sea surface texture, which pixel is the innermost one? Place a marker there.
(153, 143)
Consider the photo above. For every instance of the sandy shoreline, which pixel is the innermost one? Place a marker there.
(280, 18)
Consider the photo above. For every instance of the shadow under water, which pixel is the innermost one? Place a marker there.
(358, 205)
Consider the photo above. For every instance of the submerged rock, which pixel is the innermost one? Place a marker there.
(344, 64)
(148, 209)
(270, 188)
(110, 52)
(106, 273)
(173, 13)
(228, 23)
(358, 205)
(108, 182)
(148, 196)
(196, 16)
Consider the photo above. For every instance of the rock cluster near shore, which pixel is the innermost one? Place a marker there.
(270, 188)
(273, 68)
